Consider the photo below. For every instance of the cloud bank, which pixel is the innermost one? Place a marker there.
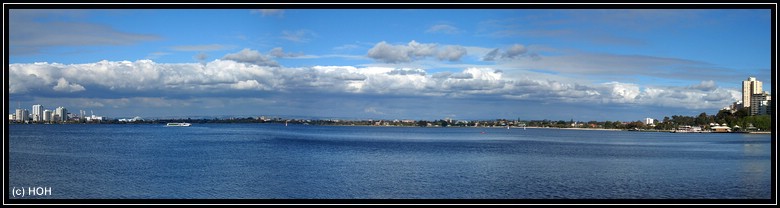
(248, 74)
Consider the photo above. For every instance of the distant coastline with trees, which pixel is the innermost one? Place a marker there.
(739, 120)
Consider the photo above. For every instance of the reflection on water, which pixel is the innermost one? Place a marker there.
(753, 173)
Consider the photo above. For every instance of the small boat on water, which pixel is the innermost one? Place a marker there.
(178, 124)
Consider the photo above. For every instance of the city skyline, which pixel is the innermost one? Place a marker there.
(614, 64)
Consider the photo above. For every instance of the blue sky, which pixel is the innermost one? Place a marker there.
(558, 64)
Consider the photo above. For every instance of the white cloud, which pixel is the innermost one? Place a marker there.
(65, 86)
(252, 57)
(247, 84)
(443, 28)
(227, 78)
(451, 53)
(622, 92)
(389, 53)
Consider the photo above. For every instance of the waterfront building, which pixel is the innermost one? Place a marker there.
(94, 118)
(47, 115)
(11, 117)
(720, 128)
(61, 114)
(760, 103)
(37, 113)
(22, 115)
(750, 87)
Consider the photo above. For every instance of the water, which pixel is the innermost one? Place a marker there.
(270, 161)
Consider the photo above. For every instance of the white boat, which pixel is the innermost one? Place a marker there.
(688, 129)
(178, 124)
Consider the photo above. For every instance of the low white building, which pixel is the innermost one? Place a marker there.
(720, 128)
(94, 118)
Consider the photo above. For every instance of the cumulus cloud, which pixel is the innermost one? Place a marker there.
(252, 57)
(461, 76)
(442, 28)
(389, 53)
(451, 53)
(352, 77)
(268, 12)
(65, 86)
(227, 77)
(407, 72)
(247, 84)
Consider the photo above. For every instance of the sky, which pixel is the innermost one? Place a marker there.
(463, 64)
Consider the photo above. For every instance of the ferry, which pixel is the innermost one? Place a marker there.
(178, 124)
(688, 129)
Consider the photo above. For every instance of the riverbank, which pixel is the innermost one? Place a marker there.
(586, 129)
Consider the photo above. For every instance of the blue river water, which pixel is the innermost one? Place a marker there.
(272, 161)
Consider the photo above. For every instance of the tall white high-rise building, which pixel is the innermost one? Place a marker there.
(47, 115)
(37, 113)
(61, 114)
(22, 115)
(649, 121)
(750, 87)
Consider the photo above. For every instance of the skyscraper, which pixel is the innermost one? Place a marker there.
(61, 114)
(37, 113)
(22, 115)
(47, 116)
(750, 87)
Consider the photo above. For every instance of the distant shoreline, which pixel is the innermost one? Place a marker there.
(392, 126)
(585, 129)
